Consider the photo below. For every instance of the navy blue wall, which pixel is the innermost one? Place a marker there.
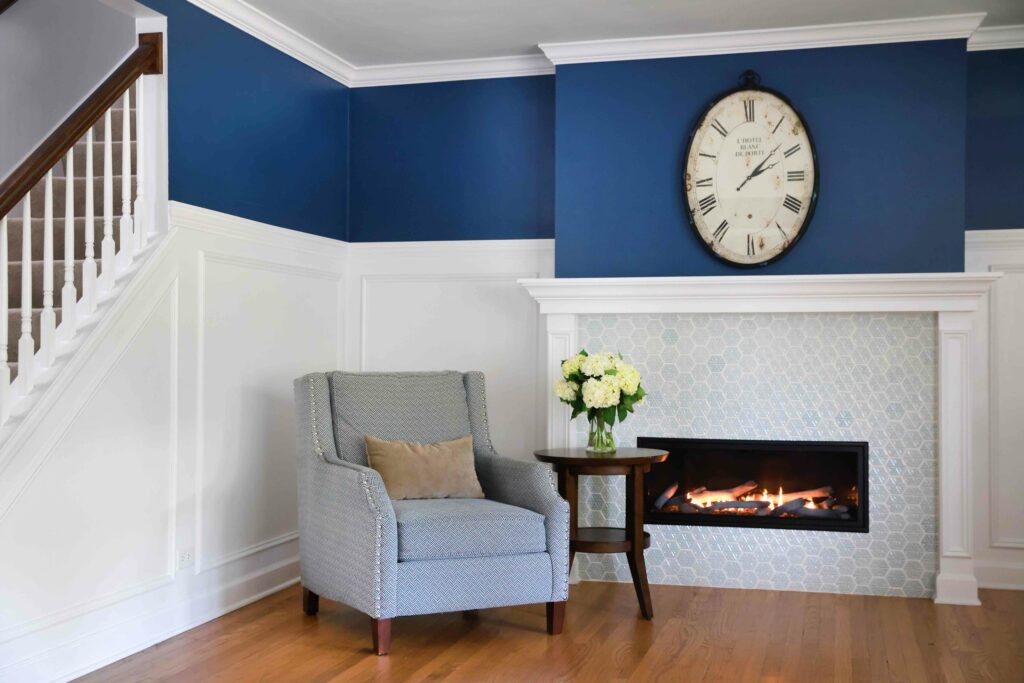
(450, 161)
(888, 121)
(253, 132)
(995, 139)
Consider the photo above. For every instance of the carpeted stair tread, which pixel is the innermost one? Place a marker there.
(14, 329)
(14, 237)
(14, 286)
(116, 116)
(59, 184)
(97, 158)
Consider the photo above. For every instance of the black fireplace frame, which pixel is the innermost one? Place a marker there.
(674, 444)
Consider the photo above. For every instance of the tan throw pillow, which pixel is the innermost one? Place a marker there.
(425, 470)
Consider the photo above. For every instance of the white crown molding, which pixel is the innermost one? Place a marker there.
(765, 40)
(997, 38)
(763, 293)
(258, 24)
(452, 70)
(244, 16)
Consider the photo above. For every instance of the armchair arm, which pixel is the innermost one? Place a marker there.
(530, 485)
(348, 537)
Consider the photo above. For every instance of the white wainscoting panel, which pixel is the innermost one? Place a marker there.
(999, 479)
(263, 323)
(159, 490)
(104, 490)
(456, 306)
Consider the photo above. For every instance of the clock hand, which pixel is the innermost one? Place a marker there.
(759, 169)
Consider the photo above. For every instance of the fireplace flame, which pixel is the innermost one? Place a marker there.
(747, 500)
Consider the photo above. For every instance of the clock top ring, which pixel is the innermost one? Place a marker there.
(750, 180)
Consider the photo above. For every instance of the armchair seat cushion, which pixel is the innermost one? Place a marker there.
(435, 529)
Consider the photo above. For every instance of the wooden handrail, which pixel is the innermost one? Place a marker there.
(146, 59)
(6, 5)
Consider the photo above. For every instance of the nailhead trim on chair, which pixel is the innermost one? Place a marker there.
(365, 481)
(312, 407)
(487, 427)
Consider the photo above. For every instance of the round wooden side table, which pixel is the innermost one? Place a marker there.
(569, 463)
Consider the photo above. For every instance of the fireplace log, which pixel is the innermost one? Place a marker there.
(737, 505)
(680, 504)
(722, 494)
(822, 492)
(666, 495)
(790, 507)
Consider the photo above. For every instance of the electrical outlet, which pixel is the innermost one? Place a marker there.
(186, 559)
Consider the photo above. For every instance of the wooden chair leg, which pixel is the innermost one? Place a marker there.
(381, 635)
(556, 617)
(310, 602)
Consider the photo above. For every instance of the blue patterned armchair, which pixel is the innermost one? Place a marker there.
(395, 558)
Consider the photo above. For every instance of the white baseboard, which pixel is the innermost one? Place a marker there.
(1000, 575)
(91, 651)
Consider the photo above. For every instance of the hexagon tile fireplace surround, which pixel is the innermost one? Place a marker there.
(951, 434)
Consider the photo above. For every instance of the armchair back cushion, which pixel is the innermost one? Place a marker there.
(426, 407)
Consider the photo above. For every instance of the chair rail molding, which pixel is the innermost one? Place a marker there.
(956, 298)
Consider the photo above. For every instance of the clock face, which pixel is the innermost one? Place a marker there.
(751, 177)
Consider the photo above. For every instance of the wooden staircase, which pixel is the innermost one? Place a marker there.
(72, 221)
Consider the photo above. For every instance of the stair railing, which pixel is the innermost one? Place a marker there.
(114, 260)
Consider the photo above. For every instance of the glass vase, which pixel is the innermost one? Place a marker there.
(600, 438)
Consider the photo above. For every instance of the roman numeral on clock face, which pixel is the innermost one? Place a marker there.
(792, 203)
(794, 176)
(709, 156)
(750, 245)
(704, 182)
(719, 127)
(720, 231)
(748, 110)
(707, 204)
(778, 124)
(784, 235)
(792, 150)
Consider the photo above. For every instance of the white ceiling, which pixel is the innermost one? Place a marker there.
(377, 32)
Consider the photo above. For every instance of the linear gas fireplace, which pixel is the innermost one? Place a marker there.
(818, 485)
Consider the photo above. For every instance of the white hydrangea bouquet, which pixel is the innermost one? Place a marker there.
(606, 388)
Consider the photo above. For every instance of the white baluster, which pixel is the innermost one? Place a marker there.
(127, 250)
(89, 266)
(5, 372)
(107, 245)
(140, 207)
(69, 295)
(48, 318)
(26, 346)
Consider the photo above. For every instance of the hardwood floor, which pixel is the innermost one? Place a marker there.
(699, 634)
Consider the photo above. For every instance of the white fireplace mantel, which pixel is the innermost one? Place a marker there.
(954, 297)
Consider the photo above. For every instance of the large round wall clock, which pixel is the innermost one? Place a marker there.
(751, 175)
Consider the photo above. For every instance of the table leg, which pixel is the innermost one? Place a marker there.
(635, 533)
(568, 488)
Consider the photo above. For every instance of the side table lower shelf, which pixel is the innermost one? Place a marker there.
(604, 539)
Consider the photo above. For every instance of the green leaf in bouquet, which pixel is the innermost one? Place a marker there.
(609, 415)
(623, 411)
(611, 371)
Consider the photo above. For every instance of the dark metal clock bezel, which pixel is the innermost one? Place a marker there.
(744, 87)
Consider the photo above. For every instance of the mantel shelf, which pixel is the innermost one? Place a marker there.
(897, 292)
